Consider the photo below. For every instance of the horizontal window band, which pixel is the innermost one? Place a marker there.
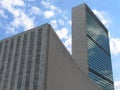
(100, 75)
(98, 45)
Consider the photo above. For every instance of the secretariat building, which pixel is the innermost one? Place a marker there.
(37, 59)
(90, 46)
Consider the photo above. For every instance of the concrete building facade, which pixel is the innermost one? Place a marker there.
(23, 60)
(37, 60)
(90, 46)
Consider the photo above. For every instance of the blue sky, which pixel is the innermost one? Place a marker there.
(19, 15)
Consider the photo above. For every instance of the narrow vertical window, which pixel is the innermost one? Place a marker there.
(29, 63)
(15, 64)
(22, 62)
(8, 64)
(37, 61)
(3, 60)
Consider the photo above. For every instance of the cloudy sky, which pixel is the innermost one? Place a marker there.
(19, 15)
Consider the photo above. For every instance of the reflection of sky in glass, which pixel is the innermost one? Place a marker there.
(97, 33)
(101, 82)
(99, 54)
(99, 60)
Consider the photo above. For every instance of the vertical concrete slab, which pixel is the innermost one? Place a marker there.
(62, 72)
(79, 38)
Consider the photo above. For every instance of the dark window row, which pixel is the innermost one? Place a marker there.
(105, 85)
(8, 65)
(100, 75)
(99, 60)
(16, 47)
(96, 32)
(37, 61)
(98, 45)
(15, 63)
(29, 63)
(3, 60)
(22, 62)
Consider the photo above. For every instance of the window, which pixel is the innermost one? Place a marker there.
(29, 63)
(22, 62)
(37, 61)
(8, 64)
(3, 60)
(15, 63)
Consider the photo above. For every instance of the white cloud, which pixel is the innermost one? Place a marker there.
(21, 19)
(54, 24)
(109, 34)
(8, 4)
(61, 22)
(10, 30)
(48, 5)
(68, 43)
(62, 33)
(3, 14)
(114, 42)
(117, 85)
(103, 16)
(50, 10)
(115, 45)
(36, 10)
(48, 14)
(59, 25)
(17, 2)
(25, 18)
(70, 22)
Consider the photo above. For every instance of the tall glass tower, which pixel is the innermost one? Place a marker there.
(91, 47)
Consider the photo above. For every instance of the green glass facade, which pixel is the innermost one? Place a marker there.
(99, 59)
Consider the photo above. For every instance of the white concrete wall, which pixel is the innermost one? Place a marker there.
(79, 38)
(62, 72)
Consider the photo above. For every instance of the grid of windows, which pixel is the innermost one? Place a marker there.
(15, 63)
(19, 62)
(99, 60)
(29, 63)
(37, 61)
(101, 82)
(3, 60)
(22, 62)
(8, 65)
(97, 33)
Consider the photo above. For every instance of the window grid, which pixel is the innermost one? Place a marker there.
(22, 62)
(37, 61)
(99, 61)
(3, 60)
(97, 33)
(99, 58)
(29, 63)
(101, 82)
(15, 63)
(8, 65)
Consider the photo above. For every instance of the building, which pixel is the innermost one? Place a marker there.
(90, 46)
(37, 60)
